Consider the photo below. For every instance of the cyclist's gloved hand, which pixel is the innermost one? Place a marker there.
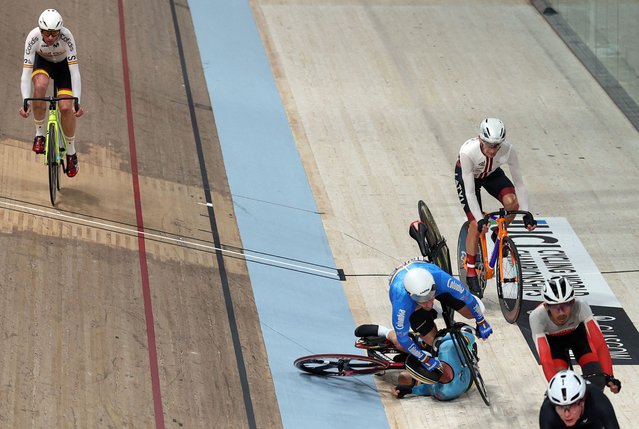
(614, 381)
(431, 363)
(484, 328)
(403, 390)
(529, 220)
(480, 225)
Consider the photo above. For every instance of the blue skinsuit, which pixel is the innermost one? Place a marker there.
(461, 376)
(404, 306)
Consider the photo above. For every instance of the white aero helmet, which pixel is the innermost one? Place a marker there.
(558, 290)
(50, 20)
(420, 284)
(492, 131)
(566, 388)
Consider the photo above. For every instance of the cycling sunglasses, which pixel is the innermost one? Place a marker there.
(568, 407)
(48, 33)
(490, 145)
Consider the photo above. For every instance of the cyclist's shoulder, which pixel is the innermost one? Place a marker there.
(34, 35)
(598, 405)
(470, 148)
(582, 308)
(538, 313)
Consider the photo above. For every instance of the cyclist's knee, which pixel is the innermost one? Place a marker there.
(40, 85)
(65, 107)
(510, 202)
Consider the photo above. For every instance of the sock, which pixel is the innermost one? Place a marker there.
(383, 330)
(39, 125)
(470, 265)
(70, 145)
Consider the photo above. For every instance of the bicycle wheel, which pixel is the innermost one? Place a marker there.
(61, 147)
(461, 252)
(469, 360)
(461, 258)
(434, 238)
(52, 164)
(510, 287)
(340, 364)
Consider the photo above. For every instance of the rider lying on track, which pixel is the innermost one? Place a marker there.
(450, 383)
(414, 286)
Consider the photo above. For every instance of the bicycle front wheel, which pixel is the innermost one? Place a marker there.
(510, 284)
(471, 361)
(434, 238)
(340, 365)
(52, 163)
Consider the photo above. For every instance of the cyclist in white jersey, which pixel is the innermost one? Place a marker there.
(50, 52)
(479, 166)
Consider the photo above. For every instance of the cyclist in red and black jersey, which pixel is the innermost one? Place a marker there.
(571, 402)
(479, 166)
(562, 323)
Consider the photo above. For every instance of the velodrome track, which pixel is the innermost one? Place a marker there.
(104, 326)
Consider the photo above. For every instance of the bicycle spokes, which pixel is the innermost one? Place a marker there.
(509, 281)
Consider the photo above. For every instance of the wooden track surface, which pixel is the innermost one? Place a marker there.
(380, 96)
(73, 316)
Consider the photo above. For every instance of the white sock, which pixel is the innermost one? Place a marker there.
(383, 331)
(39, 127)
(70, 145)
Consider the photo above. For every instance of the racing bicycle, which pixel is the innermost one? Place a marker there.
(502, 263)
(55, 143)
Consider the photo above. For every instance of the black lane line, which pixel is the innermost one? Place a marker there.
(248, 404)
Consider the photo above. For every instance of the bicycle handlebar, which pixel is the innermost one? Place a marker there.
(51, 100)
(503, 213)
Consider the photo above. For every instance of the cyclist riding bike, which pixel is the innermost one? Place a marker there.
(571, 402)
(479, 166)
(50, 52)
(414, 286)
(562, 323)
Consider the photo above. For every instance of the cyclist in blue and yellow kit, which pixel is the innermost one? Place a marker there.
(414, 286)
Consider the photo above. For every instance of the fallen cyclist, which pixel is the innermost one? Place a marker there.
(452, 381)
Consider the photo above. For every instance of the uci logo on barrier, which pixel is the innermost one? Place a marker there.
(553, 249)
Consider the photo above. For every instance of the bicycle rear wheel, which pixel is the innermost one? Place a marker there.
(510, 284)
(469, 360)
(461, 252)
(52, 163)
(340, 364)
(461, 259)
(434, 238)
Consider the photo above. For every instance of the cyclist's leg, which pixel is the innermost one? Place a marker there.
(40, 79)
(62, 78)
(501, 187)
(460, 306)
(472, 237)
(422, 322)
(40, 83)
(587, 357)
